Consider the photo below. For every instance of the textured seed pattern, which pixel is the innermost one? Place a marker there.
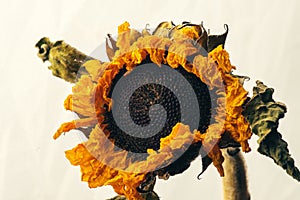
(141, 107)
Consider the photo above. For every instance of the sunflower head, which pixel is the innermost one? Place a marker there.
(165, 97)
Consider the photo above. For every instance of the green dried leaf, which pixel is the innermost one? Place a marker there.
(65, 60)
(263, 114)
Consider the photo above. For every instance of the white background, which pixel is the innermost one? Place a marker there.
(263, 42)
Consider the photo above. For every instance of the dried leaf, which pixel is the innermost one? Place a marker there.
(263, 113)
(65, 60)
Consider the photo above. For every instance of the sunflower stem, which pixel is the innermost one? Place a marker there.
(235, 179)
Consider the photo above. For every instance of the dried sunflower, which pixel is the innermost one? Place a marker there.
(178, 67)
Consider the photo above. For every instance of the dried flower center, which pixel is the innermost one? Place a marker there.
(145, 102)
(155, 105)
